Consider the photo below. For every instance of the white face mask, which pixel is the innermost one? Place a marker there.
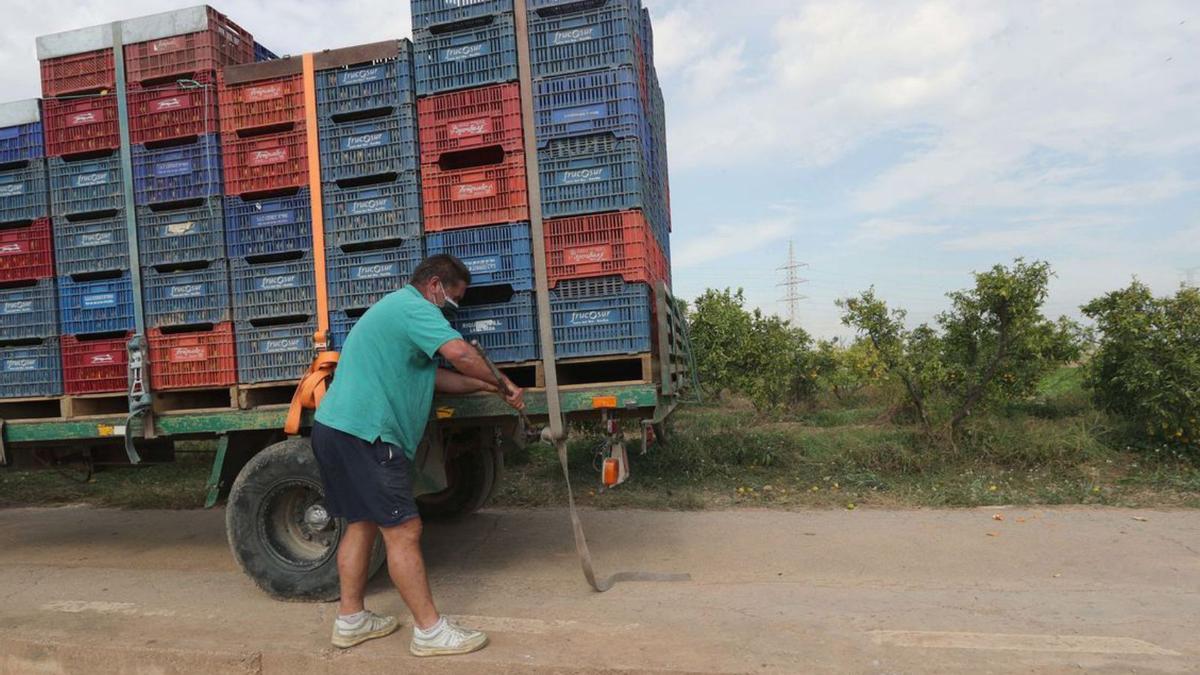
(446, 302)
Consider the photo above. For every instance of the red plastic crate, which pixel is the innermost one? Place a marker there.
(193, 359)
(27, 252)
(78, 125)
(261, 103)
(470, 119)
(224, 43)
(265, 163)
(480, 195)
(89, 71)
(602, 245)
(95, 366)
(166, 111)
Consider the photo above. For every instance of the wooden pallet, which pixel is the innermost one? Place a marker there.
(614, 369)
(195, 398)
(95, 405)
(265, 394)
(32, 408)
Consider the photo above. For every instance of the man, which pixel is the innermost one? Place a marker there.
(365, 435)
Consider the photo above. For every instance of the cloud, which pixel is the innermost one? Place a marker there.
(882, 230)
(729, 240)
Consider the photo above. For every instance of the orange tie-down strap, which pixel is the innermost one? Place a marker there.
(310, 390)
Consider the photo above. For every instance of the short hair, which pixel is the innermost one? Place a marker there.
(444, 266)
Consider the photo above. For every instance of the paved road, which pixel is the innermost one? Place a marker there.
(85, 590)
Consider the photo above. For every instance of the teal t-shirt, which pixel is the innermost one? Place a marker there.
(383, 384)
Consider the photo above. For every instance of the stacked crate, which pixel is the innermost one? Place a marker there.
(178, 190)
(602, 159)
(30, 361)
(371, 199)
(268, 218)
(473, 167)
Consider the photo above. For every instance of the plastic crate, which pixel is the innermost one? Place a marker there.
(429, 13)
(33, 369)
(21, 141)
(498, 254)
(604, 245)
(593, 174)
(26, 252)
(173, 110)
(24, 192)
(483, 53)
(607, 101)
(359, 279)
(340, 323)
(258, 227)
(84, 247)
(376, 212)
(184, 360)
(28, 311)
(597, 317)
(470, 119)
(507, 330)
(371, 147)
(90, 186)
(261, 53)
(267, 163)
(575, 37)
(183, 235)
(276, 353)
(95, 366)
(95, 305)
(81, 125)
(223, 43)
(177, 173)
(273, 289)
(262, 103)
(355, 89)
(89, 71)
(187, 297)
(481, 195)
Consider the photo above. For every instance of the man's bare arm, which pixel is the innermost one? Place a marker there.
(450, 382)
(466, 360)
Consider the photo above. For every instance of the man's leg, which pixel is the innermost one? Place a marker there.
(353, 559)
(406, 566)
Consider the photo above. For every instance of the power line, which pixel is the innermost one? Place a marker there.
(791, 284)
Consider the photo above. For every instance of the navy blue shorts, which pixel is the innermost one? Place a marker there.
(364, 481)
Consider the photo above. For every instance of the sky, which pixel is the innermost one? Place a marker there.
(902, 144)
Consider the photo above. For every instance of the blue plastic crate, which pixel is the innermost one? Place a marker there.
(83, 247)
(86, 186)
(600, 316)
(371, 86)
(566, 36)
(178, 172)
(376, 212)
(429, 13)
(275, 353)
(593, 174)
(21, 142)
(340, 323)
(359, 279)
(261, 53)
(24, 192)
(28, 311)
(184, 235)
(187, 297)
(371, 147)
(95, 306)
(597, 102)
(507, 330)
(472, 57)
(496, 254)
(28, 370)
(273, 289)
(257, 227)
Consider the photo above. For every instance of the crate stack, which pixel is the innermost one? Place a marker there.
(30, 361)
(178, 192)
(476, 199)
(268, 218)
(371, 187)
(601, 152)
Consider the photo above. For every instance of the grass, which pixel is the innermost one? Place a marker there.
(178, 485)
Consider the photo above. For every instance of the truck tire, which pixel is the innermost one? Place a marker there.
(472, 473)
(277, 527)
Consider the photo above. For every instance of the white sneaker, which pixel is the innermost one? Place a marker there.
(374, 626)
(450, 639)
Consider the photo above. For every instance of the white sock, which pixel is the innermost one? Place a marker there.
(432, 631)
(354, 620)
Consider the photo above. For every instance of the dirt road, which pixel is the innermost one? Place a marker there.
(84, 590)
